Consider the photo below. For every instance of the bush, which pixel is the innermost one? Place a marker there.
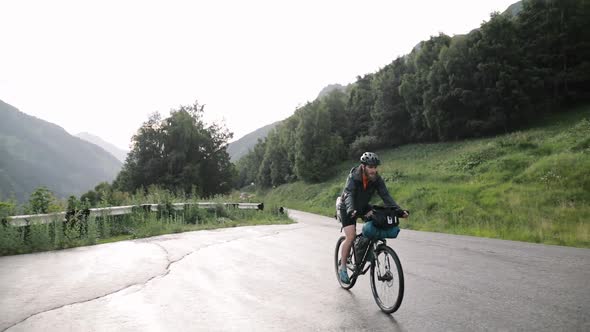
(362, 144)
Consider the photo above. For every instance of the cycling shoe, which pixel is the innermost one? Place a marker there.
(344, 276)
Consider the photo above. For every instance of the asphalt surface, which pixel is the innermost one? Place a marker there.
(282, 278)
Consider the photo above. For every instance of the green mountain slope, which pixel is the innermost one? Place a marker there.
(37, 153)
(240, 147)
(514, 9)
(331, 88)
(531, 185)
(120, 154)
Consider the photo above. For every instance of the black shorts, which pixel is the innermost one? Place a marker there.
(346, 220)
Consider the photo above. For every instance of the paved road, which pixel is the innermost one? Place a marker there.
(282, 278)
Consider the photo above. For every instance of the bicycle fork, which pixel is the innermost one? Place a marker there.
(387, 276)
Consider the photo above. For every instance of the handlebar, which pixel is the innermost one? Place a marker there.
(399, 213)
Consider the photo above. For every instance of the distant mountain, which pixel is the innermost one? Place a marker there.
(514, 9)
(240, 148)
(34, 153)
(108, 147)
(332, 87)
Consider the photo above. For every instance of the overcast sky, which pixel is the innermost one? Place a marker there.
(103, 66)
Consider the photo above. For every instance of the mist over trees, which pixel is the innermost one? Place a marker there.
(490, 81)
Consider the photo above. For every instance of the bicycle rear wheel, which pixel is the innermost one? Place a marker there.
(387, 279)
(350, 264)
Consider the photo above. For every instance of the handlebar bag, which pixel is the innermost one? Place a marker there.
(385, 217)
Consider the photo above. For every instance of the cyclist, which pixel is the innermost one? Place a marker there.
(361, 184)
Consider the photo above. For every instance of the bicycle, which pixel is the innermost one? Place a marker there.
(387, 283)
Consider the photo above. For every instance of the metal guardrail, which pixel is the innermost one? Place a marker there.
(25, 220)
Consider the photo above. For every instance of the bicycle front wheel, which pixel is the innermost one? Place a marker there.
(387, 279)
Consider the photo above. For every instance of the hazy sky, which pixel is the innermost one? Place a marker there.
(104, 66)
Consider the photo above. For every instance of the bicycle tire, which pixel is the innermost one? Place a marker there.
(381, 288)
(337, 264)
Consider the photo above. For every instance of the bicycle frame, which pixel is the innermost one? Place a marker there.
(360, 268)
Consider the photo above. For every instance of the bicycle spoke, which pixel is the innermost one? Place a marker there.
(384, 274)
(387, 280)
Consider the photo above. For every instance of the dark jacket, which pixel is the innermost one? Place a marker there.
(355, 197)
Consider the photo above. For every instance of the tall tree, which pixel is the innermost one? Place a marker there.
(249, 165)
(317, 147)
(555, 37)
(179, 153)
(391, 119)
(416, 89)
(359, 105)
(275, 168)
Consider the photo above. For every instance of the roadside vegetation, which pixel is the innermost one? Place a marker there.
(79, 230)
(531, 185)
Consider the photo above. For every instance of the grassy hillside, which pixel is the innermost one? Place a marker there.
(532, 185)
